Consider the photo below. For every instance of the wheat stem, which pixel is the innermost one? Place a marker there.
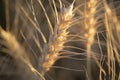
(112, 24)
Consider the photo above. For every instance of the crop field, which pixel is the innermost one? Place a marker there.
(59, 39)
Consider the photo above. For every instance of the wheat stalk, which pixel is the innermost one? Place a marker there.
(112, 24)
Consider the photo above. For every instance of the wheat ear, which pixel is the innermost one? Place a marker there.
(15, 50)
(58, 39)
(90, 23)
